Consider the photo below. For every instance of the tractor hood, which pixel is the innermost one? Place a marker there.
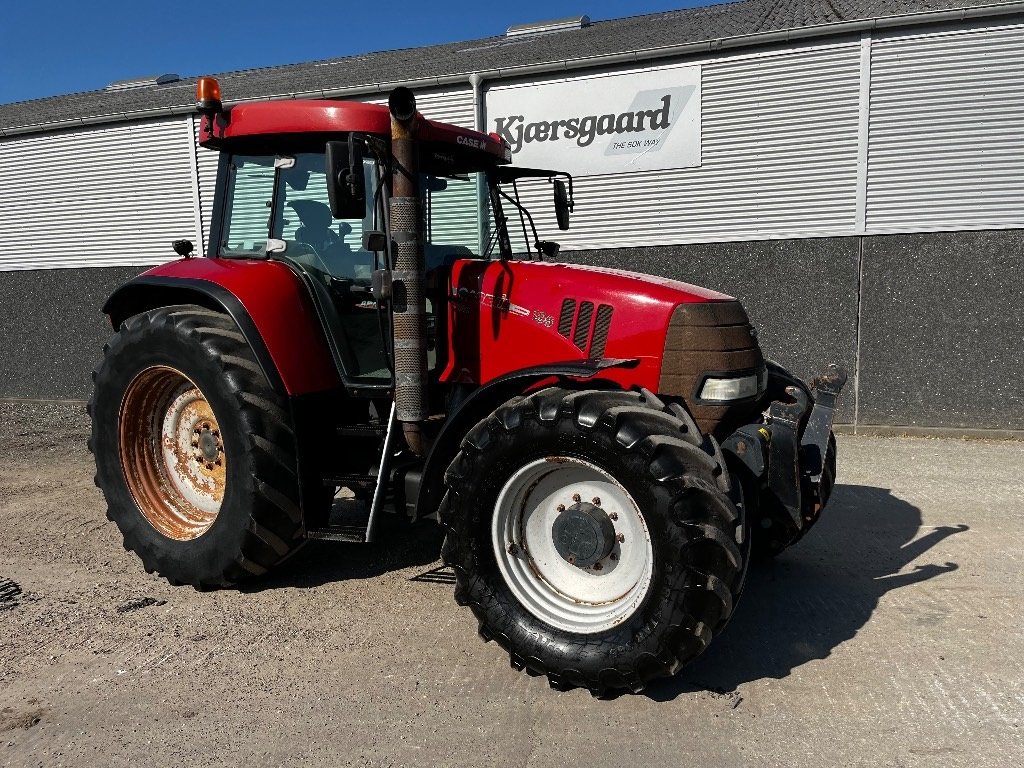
(509, 315)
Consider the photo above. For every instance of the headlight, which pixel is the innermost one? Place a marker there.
(723, 390)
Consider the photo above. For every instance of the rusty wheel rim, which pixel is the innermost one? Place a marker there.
(172, 453)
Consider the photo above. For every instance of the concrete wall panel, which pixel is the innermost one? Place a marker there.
(942, 330)
(51, 329)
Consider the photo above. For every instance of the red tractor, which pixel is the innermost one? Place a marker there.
(605, 450)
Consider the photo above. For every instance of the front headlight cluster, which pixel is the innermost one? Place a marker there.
(727, 389)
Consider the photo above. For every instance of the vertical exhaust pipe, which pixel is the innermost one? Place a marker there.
(408, 288)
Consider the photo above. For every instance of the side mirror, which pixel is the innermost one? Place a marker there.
(562, 206)
(549, 248)
(346, 190)
(183, 248)
(374, 241)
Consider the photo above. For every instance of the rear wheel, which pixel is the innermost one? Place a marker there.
(594, 536)
(194, 451)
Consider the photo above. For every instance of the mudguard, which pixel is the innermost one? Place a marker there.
(481, 401)
(266, 300)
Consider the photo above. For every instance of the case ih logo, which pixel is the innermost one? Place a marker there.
(583, 130)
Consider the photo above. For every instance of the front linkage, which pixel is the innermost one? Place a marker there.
(789, 461)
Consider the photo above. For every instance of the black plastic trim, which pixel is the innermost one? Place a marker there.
(217, 214)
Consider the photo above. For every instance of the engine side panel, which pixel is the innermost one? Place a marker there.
(275, 300)
(505, 316)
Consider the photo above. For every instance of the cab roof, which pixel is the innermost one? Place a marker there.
(278, 121)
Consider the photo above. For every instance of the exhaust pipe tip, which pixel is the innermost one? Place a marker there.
(402, 104)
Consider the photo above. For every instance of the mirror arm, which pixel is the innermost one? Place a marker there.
(524, 215)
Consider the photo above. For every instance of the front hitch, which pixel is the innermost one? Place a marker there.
(787, 455)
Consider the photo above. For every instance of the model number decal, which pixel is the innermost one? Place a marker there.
(465, 295)
(543, 318)
(490, 300)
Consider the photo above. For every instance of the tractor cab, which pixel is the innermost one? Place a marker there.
(307, 183)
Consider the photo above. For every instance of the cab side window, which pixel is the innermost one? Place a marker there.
(249, 200)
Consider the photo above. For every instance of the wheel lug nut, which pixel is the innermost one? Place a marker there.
(598, 566)
(613, 556)
(560, 508)
(572, 559)
(596, 501)
(576, 498)
(620, 538)
(613, 515)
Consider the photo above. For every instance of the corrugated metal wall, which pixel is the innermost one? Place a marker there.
(946, 149)
(781, 133)
(112, 195)
(779, 159)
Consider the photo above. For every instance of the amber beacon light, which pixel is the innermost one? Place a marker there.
(208, 95)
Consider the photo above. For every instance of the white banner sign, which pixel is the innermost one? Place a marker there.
(642, 121)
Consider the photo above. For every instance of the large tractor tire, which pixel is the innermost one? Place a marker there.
(594, 536)
(194, 451)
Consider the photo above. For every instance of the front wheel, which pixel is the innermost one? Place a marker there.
(595, 536)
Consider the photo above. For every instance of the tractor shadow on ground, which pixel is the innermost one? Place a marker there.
(812, 598)
(398, 544)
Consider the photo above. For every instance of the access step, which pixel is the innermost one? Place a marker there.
(355, 482)
(354, 534)
(362, 430)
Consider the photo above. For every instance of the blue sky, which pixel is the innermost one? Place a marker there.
(50, 48)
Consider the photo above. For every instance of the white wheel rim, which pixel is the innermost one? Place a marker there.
(580, 600)
(199, 480)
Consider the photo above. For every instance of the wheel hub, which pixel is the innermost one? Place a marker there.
(583, 534)
(209, 444)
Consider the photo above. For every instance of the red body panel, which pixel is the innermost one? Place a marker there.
(281, 311)
(504, 316)
(273, 118)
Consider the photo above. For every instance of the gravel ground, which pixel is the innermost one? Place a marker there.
(892, 635)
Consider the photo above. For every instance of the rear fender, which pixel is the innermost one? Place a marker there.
(264, 298)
